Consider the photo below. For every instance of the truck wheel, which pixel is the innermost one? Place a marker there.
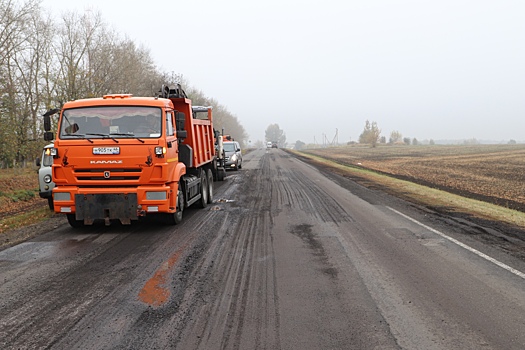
(203, 202)
(176, 218)
(74, 222)
(210, 186)
(221, 174)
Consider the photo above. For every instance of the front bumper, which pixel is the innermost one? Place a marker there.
(102, 203)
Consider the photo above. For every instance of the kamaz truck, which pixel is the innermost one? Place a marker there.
(120, 157)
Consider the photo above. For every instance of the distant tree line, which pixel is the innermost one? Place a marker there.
(372, 135)
(274, 133)
(45, 63)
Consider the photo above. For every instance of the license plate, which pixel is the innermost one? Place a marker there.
(106, 150)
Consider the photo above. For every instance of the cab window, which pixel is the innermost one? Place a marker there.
(170, 131)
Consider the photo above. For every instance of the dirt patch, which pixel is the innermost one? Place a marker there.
(23, 213)
(12, 237)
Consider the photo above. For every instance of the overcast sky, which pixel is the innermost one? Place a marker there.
(448, 69)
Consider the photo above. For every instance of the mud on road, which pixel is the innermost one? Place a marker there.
(273, 263)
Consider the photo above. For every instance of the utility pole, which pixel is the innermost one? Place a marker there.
(335, 140)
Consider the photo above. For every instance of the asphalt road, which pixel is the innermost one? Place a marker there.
(285, 258)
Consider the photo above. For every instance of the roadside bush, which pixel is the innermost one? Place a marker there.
(22, 195)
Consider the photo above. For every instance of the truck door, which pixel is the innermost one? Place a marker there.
(171, 140)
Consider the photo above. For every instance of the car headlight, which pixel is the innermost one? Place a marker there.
(47, 178)
(234, 158)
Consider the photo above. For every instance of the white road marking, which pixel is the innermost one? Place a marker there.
(470, 249)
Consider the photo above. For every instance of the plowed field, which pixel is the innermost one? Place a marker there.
(492, 173)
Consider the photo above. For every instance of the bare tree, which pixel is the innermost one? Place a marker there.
(32, 63)
(77, 38)
(14, 36)
(44, 64)
(370, 134)
(395, 137)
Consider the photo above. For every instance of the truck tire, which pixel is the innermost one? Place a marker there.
(176, 218)
(221, 174)
(203, 201)
(74, 222)
(210, 186)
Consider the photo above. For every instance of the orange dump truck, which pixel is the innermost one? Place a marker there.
(121, 157)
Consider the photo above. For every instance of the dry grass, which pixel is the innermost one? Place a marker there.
(20, 204)
(482, 180)
(25, 218)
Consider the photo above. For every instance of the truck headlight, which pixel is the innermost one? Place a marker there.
(160, 151)
(47, 178)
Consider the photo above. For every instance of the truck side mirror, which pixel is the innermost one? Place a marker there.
(49, 136)
(47, 118)
(180, 120)
(182, 134)
(51, 112)
(47, 123)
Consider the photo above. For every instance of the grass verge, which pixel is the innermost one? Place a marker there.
(25, 219)
(423, 195)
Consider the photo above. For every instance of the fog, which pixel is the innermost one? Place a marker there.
(440, 70)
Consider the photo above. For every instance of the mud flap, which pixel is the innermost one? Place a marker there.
(91, 207)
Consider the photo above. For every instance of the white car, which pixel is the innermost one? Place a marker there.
(233, 155)
(45, 180)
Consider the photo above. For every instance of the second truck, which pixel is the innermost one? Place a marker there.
(119, 157)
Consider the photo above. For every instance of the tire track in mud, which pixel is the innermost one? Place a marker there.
(26, 319)
(161, 326)
(241, 311)
(301, 192)
(94, 296)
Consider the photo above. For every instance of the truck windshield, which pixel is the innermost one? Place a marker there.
(113, 121)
